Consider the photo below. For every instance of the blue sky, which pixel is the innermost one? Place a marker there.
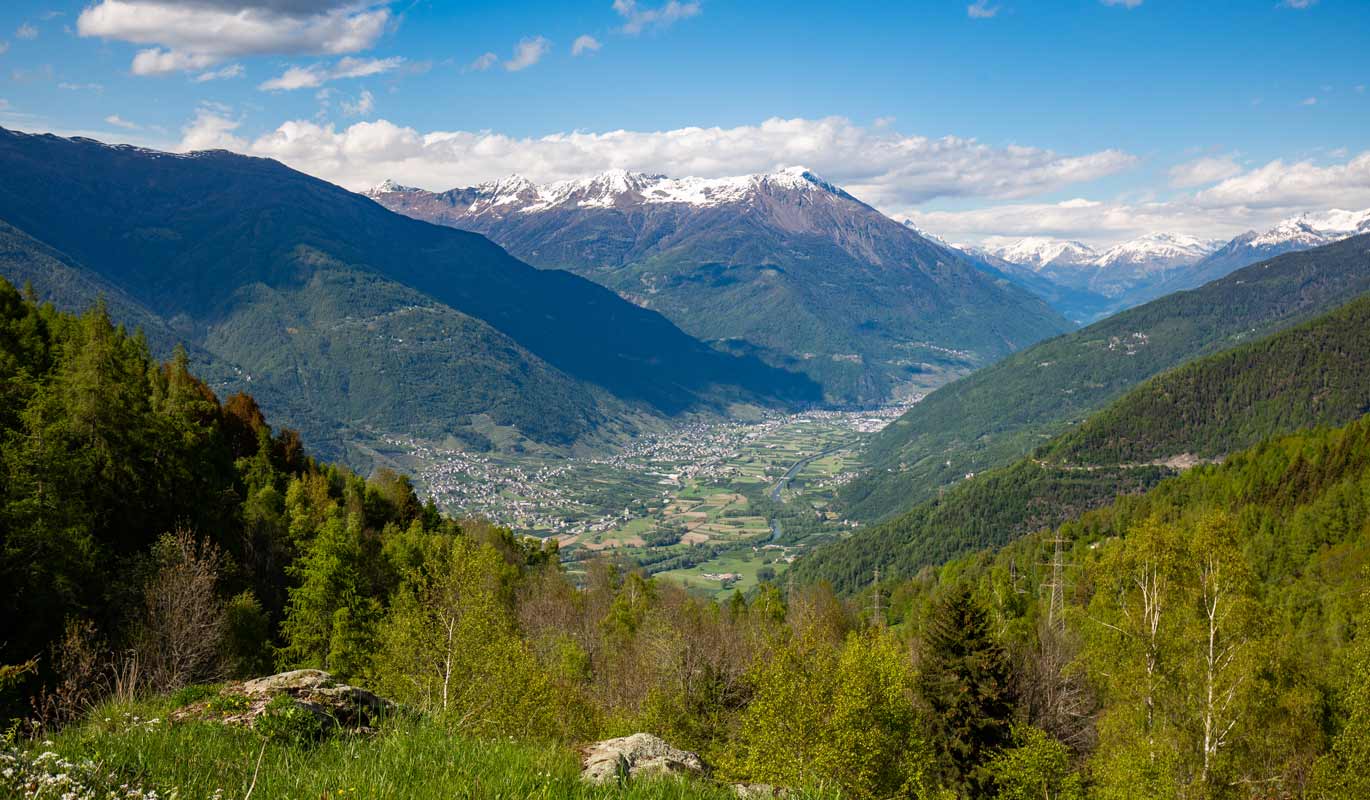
(1085, 119)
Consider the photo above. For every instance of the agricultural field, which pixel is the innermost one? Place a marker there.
(717, 505)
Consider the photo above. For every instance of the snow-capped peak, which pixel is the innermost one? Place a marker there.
(1039, 252)
(388, 186)
(1157, 251)
(1311, 230)
(619, 186)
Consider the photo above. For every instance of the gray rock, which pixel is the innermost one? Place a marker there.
(337, 705)
(641, 755)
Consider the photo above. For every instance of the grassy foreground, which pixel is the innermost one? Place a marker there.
(133, 752)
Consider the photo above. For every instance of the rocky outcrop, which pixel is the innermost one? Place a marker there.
(336, 704)
(641, 755)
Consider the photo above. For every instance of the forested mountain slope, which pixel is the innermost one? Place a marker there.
(1007, 410)
(1315, 374)
(386, 323)
(782, 264)
(1276, 541)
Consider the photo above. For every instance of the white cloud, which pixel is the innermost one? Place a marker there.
(81, 87)
(1299, 3)
(4, 104)
(881, 166)
(156, 61)
(1203, 171)
(316, 75)
(212, 129)
(1309, 101)
(363, 105)
(1123, 3)
(1254, 199)
(482, 62)
(223, 73)
(197, 35)
(636, 18)
(120, 122)
(981, 9)
(585, 43)
(528, 52)
(4, 47)
(1281, 185)
(26, 31)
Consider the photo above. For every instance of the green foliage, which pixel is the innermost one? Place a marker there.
(448, 645)
(1341, 774)
(286, 721)
(1037, 767)
(193, 693)
(226, 703)
(837, 716)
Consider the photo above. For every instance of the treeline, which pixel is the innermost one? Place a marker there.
(1314, 374)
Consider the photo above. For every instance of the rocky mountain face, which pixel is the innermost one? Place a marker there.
(783, 265)
(343, 318)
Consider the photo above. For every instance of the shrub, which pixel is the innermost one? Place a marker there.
(286, 721)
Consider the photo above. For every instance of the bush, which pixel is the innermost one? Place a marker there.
(287, 722)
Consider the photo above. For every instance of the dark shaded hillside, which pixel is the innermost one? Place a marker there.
(1314, 374)
(1007, 410)
(183, 234)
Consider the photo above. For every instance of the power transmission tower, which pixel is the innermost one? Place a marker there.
(1057, 585)
(877, 613)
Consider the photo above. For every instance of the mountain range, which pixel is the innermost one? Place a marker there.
(344, 319)
(1007, 410)
(783, 265)
(1150, 266)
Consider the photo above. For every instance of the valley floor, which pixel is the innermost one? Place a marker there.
(713, 504)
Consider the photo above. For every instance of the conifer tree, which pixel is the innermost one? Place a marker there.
(964, 682)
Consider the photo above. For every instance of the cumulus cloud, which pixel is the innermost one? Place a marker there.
(637, 18)
(1253, 199)
(1309, 101)
(1203, 171)
(585, 43)
(981, 9)
(26, 31)
(212, 129)
(363, 105)
(1123, 3)
(881, 166)
(1282, 185)
(201, 33)
(223, 73)
(528, 52)
(1299, 3)
(119, 122)
(316, 75)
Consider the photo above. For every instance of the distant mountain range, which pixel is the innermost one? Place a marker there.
(783, 265)
(346, 320)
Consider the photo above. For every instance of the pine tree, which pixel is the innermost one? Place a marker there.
(964, 682)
